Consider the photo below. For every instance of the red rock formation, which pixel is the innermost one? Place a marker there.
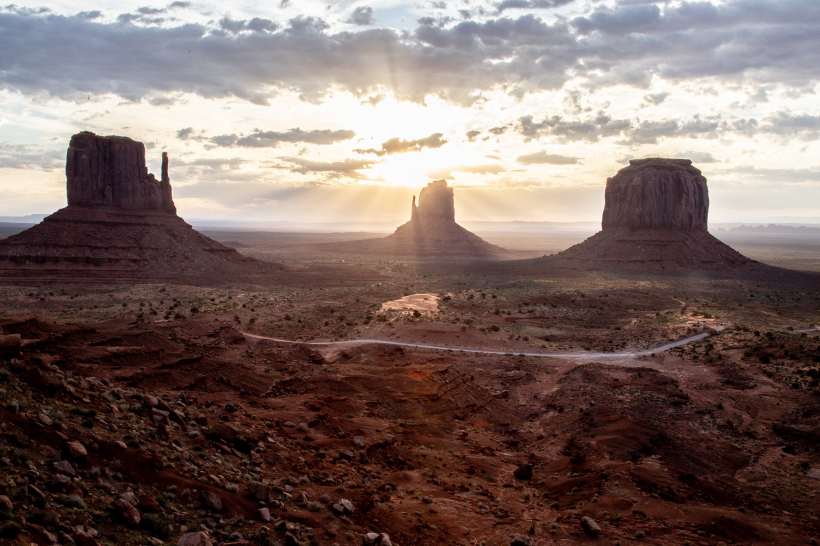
(110, 171)
(120, 225)
(431, 232)
(655, 217)
(656, 194)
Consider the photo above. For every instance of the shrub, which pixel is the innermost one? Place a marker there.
(75, 501)
(10, 530)
(156, 524)
(639, 534)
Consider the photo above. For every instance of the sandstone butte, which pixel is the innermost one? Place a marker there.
(432, 232)
(120, 225)
(655, 218)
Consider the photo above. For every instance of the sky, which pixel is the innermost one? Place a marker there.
(318, 111)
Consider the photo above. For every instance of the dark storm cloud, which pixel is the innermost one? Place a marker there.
(272, 139)
(756, 41)
(256, 24)
(543, 158)
(472, 134)
(362, 16)
(336, 169)
(399, 146)
(30, 156)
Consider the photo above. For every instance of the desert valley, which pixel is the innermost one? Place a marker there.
(650, 384)
(410, 273)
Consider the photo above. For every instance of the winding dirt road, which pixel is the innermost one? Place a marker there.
(585, 354)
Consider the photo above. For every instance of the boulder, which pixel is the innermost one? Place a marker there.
(212, 500)
(522, 540)
(6, 504)
(258, 490)
(590, 526)
(195, 539)
(656, 193)
(523, 472)
(76, 451)
(149, 504)
(127, 512)
(150, 401)
(264, 515)
(64, 467)
(10, 346)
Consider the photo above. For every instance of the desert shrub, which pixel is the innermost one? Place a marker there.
(577, 458)
(639, 534)
(314, 506)
(75, 501)
(10, 530)
(156, 524)
(259, 538)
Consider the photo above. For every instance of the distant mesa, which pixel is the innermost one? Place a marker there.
(120, 225)
(432, 232)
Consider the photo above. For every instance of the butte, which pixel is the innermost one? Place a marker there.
(655, 217)
(432, 232)
(654, 221)
(120, 225)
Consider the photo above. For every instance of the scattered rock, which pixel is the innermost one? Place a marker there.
(149, 504)
(195, 539)
(523, 472)
(64, 467)
(258, 490)
(376, 539)
(150, 400)
(10, 346)
(521, 540)
(76, 451)
(589, 526)
(5, 503)
(264, 515)
(127, 511)
(212, 500)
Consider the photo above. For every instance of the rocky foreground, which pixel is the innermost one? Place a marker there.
(185, 431)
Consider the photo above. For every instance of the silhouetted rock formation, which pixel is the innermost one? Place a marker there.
(120, 225)
(432, 232)
(110, 171)
(655, 217)
(656, 194)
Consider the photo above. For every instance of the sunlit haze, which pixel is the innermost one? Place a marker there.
(335, 112)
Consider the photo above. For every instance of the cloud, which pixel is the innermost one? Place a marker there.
(472, 134)
(399, 146)
(234, 163)
(337, 169)
(754, 42)
(362, 16)
(30, 157)
(272, 139)
(530, 4)
(446, 173)
(698, 157)
(256, 24)
(543, 158)
(655, 98)
(601, 125)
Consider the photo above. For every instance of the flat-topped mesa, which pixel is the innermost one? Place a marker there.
(436, 202)
(110, 171)
(656, 194)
